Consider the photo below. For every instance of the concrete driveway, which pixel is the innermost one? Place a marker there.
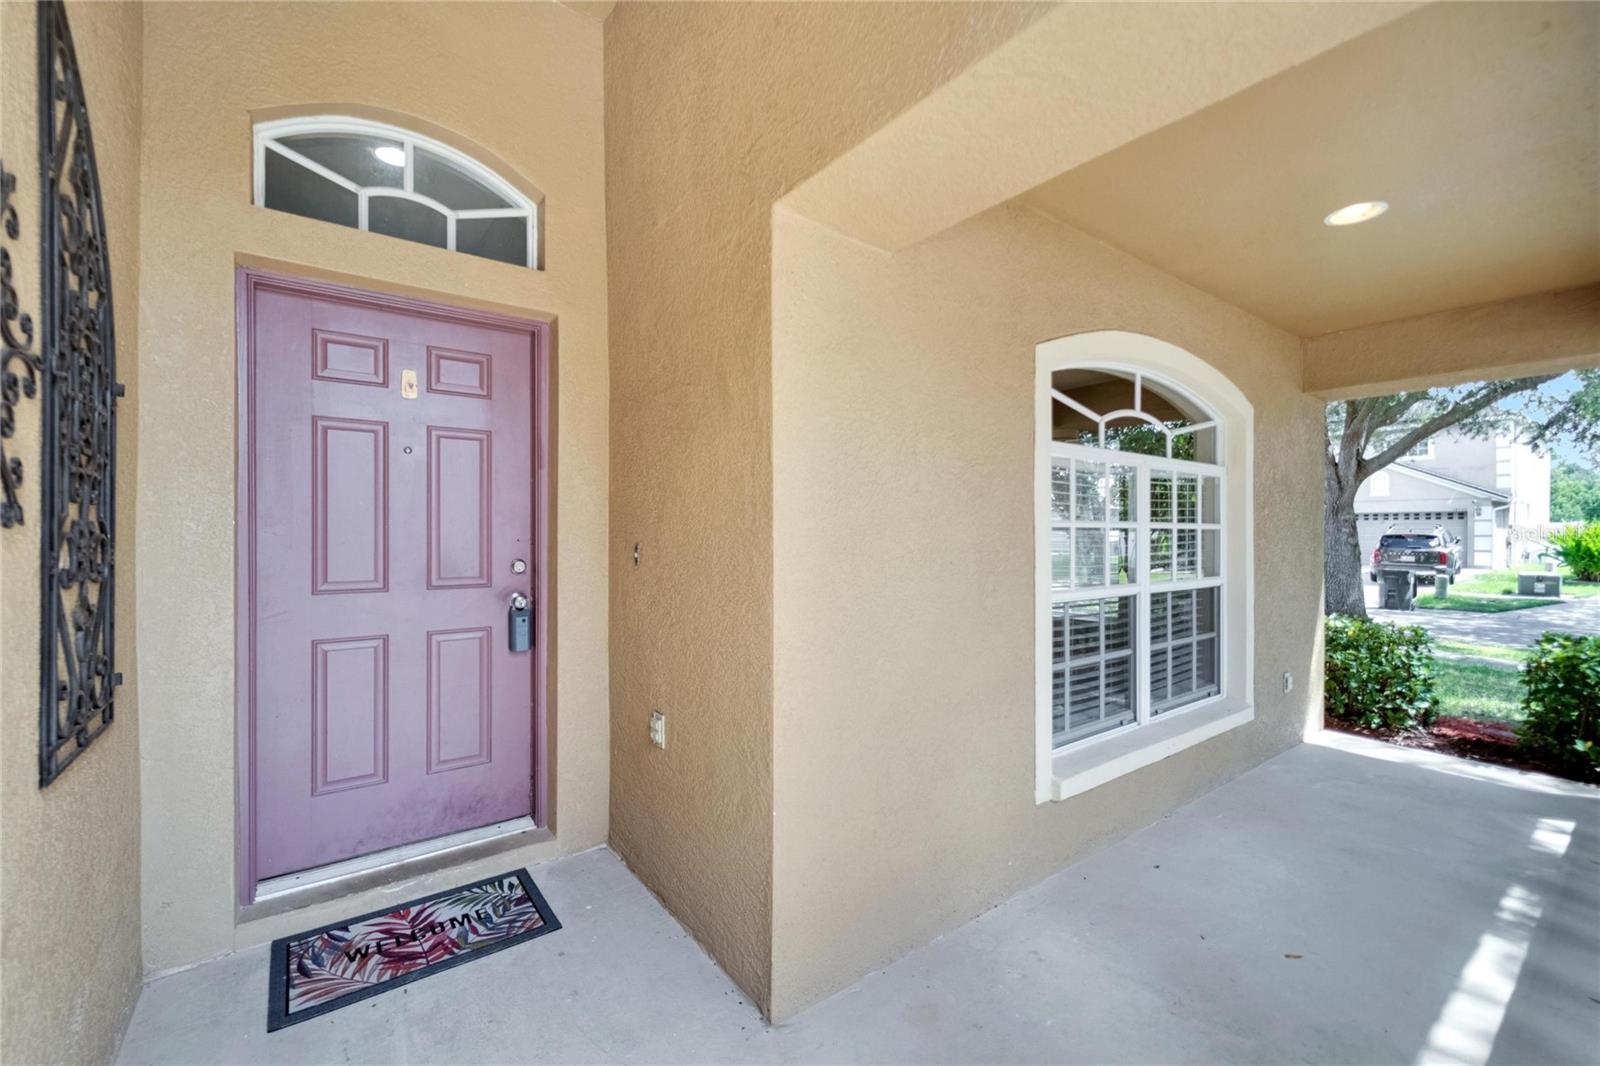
(1516, 629)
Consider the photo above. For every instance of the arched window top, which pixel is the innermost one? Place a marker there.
(1130, 411)
(386, 179)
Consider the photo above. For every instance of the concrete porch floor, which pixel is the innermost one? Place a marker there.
(1345, 902)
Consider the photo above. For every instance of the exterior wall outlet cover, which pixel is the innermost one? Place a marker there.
(658, 729)
(1288, 681)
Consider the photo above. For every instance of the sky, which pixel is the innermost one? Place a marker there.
(1562, 451)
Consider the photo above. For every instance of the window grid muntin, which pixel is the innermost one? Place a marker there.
(1103, 661)
(1144, 586)
(1165, 641)
(268, 135)
(1137, 413)
(1070, 519)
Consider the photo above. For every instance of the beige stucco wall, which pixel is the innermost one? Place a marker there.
(522, 80)
(714, 111)
(1546, 333)
(903, 533)
(69, 854)
(1079, 84)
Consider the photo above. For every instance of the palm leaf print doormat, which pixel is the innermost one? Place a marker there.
(337, 965)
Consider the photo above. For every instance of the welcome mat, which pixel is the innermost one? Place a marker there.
(337, 965)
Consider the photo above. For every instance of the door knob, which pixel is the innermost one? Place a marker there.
(519, 620)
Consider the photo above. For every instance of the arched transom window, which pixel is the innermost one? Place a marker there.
(1128, 411)
(384, 179)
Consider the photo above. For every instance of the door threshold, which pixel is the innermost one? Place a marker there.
(318, 884)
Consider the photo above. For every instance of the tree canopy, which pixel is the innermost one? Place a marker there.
(1574, 493)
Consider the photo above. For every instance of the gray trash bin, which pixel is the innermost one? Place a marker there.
(1399, 589)
(1441, 586)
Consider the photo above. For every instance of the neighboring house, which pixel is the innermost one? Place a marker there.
(1478, 488)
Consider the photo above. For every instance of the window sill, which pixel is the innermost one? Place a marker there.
(1079, 768)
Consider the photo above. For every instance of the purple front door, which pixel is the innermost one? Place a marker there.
(390, 505)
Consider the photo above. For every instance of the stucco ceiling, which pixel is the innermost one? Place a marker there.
(1478, 123)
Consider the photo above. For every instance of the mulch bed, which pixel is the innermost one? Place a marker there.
(1468, 738)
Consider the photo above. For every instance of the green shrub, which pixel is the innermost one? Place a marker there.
(1379, 675)
(1561, 685)
(1578, 548)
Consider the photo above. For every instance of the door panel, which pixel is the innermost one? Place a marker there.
(349, 713)
(349, 505)
(460, 513)
(459, 699)
(385, 706)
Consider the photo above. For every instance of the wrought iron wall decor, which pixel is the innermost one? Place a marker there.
(78, 446)
(19, 365)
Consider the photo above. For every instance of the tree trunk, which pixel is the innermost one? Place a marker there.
(1342, 590)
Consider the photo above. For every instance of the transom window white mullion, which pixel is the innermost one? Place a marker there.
(1063, 398)
(409, 180)
(313, 166)
(361, 209)
(415, 197)
(493, 212)
(450, 231)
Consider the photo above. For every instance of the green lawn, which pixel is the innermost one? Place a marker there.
(1478, 690)
(1504, 583)
(1427, 601)
(1483, 651)
(1493, 592)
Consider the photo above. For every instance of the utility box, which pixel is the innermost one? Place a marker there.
(1539, 585)
(1441, 586)
(1399, 589)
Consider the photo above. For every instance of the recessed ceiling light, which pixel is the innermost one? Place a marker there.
(396, 157)
(1365, 211)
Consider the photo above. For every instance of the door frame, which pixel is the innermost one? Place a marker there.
(248, 281)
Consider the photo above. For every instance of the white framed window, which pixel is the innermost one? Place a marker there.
(384, 179)
(1423, 449)
(1144, 600)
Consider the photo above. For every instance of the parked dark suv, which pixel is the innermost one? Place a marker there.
(1426, 552)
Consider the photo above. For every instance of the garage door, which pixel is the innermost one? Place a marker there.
(1373, 524)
